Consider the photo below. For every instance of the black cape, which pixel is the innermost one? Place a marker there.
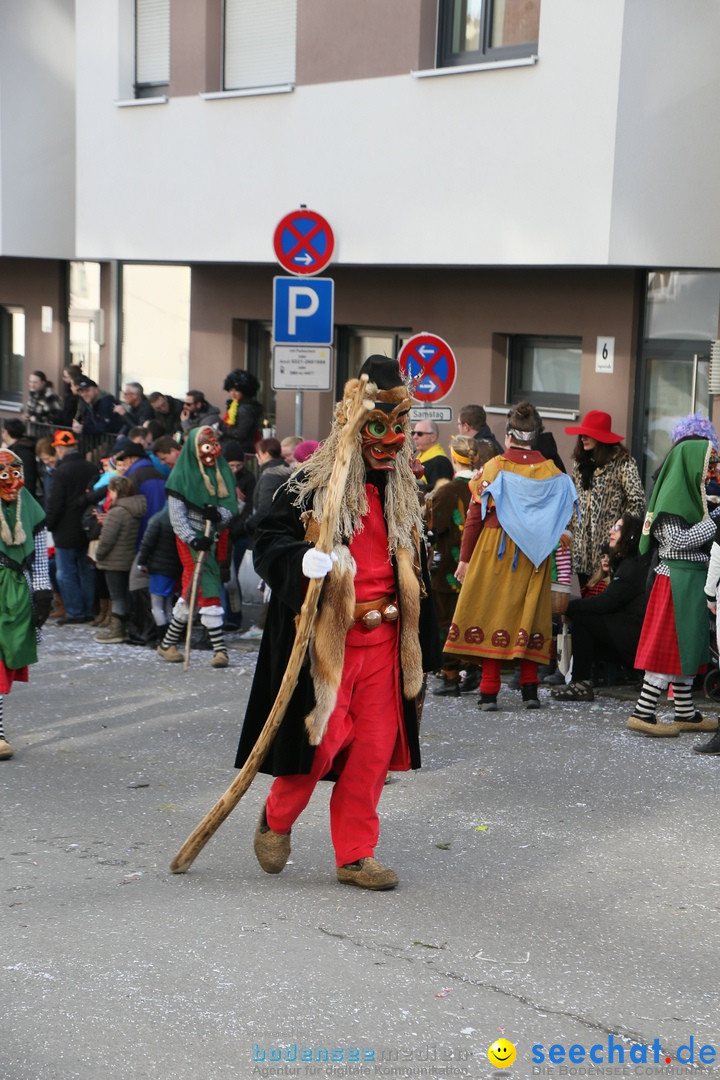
(279, 548)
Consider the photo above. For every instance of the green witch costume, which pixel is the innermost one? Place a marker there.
(674, 642)
(25, 594)
(201, 502)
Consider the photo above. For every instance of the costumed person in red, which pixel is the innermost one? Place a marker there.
(522, 503)
(354, 712)
(201, 499)
(25, 592)
(674, 641)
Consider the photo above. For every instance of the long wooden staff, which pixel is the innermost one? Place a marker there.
(212, 821)
(202, 555)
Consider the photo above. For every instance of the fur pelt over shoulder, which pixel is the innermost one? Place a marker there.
(327, 644)
(404, 523)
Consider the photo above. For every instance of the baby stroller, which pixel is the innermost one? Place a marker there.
(711, 685)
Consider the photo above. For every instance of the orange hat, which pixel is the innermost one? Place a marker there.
(64, 438)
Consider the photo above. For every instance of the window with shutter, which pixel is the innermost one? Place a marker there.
(259, 43)
(152, 46)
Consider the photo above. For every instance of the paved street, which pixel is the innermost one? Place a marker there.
(559, 887)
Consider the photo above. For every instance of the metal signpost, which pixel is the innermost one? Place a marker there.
(303, 311)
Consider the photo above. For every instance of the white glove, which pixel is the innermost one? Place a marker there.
(316, 564)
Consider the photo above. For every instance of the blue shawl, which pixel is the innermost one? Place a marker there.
(533, 513)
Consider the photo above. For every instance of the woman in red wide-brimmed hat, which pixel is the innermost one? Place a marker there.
(608, 484)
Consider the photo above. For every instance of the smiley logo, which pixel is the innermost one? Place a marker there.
(501, 1054)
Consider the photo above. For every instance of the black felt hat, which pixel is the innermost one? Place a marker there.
(383, 371)
(392, 391)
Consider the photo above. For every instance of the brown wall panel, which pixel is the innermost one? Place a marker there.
(338, 40)
(33, 284)
(473, 310)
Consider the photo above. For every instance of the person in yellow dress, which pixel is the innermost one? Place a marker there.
(521, 504)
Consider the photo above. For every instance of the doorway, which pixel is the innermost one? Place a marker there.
(675, 377)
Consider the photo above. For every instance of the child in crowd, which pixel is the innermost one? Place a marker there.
(115, 552)
(158, 557)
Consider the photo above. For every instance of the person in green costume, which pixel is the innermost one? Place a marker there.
(674, 641)
(201, 502)
(25, 593)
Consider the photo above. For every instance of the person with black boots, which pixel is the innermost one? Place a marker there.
(115, 553)
(158, 557)
(712, 586)
(678, 532)
(202, 503)
(132, 460)
(606, 624)
(521, 505)
(445, 510)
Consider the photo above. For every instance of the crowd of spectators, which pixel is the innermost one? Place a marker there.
(99, 467)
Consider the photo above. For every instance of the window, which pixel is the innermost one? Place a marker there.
(259, 362)
(545, 370)
(478, 31)
(259, 46)
(355, 344)
(12, 354)
(156, 327)
(152, 47)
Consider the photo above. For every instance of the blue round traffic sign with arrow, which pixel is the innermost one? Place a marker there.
(303, 242)
(430, 363)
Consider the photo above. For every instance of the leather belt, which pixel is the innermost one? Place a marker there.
(373, 612)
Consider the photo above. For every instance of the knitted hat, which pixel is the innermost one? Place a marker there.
(695, 426)
(64, 438)
(304, 449)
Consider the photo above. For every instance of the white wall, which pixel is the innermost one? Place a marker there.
(497, 167)
(665, 199)
(37, 126)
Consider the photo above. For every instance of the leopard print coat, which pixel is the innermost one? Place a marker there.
(615, 489)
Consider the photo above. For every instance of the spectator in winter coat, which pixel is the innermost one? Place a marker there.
(71, 403)
(167, 450)
(166, 411)
(43, 405)
(158, 557)
(116, 551)
(472, 423)
(98, 413)
(273, 472)
(132, 461)
(242, 419)
(75, 573)
(606, 625)
(197, 412)
(136, 408)
(435, 462)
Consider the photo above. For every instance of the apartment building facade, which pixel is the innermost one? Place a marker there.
(530, 180)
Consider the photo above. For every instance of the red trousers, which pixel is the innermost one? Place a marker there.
(358, 745)
(490, 679)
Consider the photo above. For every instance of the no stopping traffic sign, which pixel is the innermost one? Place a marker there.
(430, 363)
(303, 242)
